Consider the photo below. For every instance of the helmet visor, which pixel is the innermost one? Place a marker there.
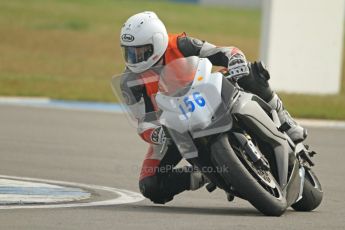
(136, 54)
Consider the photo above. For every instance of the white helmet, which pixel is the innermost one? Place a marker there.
(144, 40)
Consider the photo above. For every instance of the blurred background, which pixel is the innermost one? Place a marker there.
(69, 49)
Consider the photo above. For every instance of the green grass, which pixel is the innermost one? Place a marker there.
(69, 49)
(315, 106)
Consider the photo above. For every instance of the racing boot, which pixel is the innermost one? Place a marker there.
(296, 132)
(197, 180)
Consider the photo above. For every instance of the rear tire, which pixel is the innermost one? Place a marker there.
(312, 193)
(243, 181)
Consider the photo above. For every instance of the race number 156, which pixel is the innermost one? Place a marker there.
(189, 105)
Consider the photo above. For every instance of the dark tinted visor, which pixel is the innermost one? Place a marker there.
(136, 54)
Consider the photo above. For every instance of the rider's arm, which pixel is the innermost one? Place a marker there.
(219, 56)
(148, 128)
(228, 57)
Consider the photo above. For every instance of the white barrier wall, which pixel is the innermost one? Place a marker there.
(301, 44)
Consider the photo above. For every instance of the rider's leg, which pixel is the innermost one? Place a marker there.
(160, 182)
(296, 132)
(257, 82)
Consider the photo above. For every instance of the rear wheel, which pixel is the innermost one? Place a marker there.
(312, 193)
(256, 185)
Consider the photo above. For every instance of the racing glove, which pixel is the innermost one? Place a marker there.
(238, 66)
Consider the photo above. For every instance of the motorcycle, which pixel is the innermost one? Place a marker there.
(233, 134)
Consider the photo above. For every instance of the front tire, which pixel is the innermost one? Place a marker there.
(312, 193)
(244, 182)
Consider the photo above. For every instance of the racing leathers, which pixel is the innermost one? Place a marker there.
(159, 180)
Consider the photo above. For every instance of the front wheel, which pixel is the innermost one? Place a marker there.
(312, 193)
(257, 186)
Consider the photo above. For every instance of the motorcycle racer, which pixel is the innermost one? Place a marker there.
(146, 44)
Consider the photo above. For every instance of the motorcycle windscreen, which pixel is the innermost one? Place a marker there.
(177, 77)
(136, 91)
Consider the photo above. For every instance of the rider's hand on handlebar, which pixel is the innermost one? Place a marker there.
(238, 67)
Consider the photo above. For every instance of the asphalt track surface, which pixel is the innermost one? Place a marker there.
(103, 149)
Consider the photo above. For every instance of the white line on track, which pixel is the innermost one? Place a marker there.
(28, 192)
(124, 196)
(322, 123)
(42, 102)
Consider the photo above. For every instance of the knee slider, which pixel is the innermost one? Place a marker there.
(151, 189)
(148, 186)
